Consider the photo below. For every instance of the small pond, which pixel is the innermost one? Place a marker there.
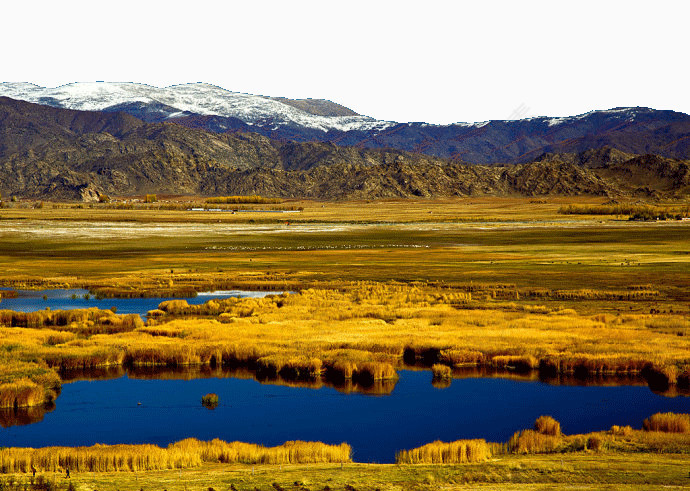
(65, 299)
(138, 409)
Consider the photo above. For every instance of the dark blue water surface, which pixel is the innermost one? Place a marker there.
(128, 410)
(32, 300)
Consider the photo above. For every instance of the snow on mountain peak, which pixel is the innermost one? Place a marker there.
(628, 113)
(198, 98)
(210, 100)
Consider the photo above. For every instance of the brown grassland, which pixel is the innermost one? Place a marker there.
(496, 283)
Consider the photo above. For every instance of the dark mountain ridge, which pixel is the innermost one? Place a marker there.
(632, 130)
(47, 152)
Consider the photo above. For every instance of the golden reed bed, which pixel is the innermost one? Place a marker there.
(183, 454)
(362, 334)
(662, 433)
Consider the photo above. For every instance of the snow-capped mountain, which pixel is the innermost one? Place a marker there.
(184, 100)
(635, 130)
(70, 154)
(210, 100)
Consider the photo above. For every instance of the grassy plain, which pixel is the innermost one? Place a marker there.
(510, 241)
(369, 211)
(585, 470)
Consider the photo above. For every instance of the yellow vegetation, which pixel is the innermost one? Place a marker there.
(621, 430)
(362, 333)
(82, 321)
(186, 453)
(21, 393)
(668, 422)
(546, 425)
(255, 199)
(633, 209)
(25, 384)
(210, 400)
(440, 371)
(546, 437)
(663, 433)
(457, 452)
(531, 441)
(515, 362)
(192, 452)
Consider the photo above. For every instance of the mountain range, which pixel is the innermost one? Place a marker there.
(633, 130)
(82, 140)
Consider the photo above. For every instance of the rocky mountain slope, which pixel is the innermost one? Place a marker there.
(317, 107)
(632, 130)
(46, 152)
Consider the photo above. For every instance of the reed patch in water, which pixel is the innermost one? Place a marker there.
(441, 372)
(26, 384)
(21, 393)
(457, 452)
(289, 367)
(661, 433)
(531, 441)
(210, 401)
(183, 454)
(81, 321)
(668, 423)
(369, 372)
(546, 425)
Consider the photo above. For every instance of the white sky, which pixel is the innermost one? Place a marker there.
(434, 61)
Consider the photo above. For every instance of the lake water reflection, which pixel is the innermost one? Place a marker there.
(153, 410)
(66, 299)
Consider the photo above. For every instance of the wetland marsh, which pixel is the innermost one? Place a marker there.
(504, 285)
(142, 409)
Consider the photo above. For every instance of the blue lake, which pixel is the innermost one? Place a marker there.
(147, 409)
(32, 300)
(161, 411)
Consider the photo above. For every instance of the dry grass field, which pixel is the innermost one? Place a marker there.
(176, 209)
(514, 242)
